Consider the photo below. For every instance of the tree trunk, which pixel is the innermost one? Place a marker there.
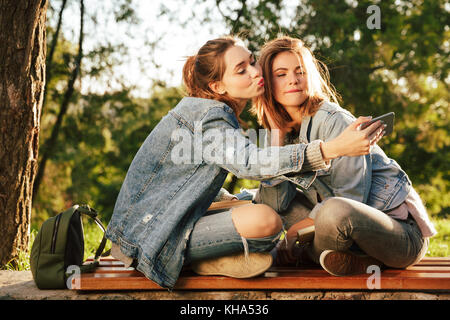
(22, 79)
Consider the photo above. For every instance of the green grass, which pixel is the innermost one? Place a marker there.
(92, 237)
(439, 244)
(23, 261)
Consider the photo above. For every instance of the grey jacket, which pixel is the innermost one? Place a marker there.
(374, 179)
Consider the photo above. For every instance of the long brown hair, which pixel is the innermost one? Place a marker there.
(319, 87)
(207, 66)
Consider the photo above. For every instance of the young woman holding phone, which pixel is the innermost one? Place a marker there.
(365, 209)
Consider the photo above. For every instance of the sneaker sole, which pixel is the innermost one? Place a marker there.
(215, 266)
(364, 263)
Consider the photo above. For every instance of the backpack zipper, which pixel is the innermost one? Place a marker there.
(55, 232)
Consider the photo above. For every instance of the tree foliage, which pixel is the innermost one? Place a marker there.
(402, 67)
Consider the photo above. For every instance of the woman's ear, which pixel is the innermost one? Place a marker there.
(217, 87)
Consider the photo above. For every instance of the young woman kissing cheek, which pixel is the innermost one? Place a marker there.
(242, 79)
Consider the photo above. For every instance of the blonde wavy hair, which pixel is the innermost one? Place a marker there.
(319, 87)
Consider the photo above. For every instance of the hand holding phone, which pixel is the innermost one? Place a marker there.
(387, 119)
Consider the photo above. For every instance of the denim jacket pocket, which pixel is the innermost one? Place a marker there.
(305, 180)
(388, 193)
(380, 189)
(324, 172)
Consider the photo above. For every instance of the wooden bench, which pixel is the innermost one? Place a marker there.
(430, 274)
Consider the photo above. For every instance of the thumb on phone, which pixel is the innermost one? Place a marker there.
(358, 122)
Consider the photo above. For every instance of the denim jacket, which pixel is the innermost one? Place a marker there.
(373, 179)
(176, 174)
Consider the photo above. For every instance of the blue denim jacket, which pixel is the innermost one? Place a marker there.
(374, 179)
(167, 189)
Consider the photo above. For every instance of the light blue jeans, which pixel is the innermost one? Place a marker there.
(215, 235)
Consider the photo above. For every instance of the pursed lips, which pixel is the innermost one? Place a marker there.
(261, 82)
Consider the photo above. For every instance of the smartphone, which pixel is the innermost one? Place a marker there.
(387, 119)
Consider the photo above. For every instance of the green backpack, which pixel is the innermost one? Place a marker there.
(59, 244)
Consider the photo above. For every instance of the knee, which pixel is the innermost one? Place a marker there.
(332, 213)
(268, 220)
(256, 221)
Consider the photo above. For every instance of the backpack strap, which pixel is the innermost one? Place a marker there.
(90, 267)
(92, 213)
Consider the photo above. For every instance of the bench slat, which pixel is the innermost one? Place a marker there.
(428, 274)
(132, 281)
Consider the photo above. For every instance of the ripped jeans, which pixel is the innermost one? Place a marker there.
(215, 235)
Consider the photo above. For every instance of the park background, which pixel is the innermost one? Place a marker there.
(114, 70)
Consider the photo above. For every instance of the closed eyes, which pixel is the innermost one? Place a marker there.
(300, 73)
(244, 70)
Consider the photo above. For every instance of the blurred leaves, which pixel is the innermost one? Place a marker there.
(402, 67)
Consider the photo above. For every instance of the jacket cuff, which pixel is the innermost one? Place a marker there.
(271, 183)
(313, 158)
